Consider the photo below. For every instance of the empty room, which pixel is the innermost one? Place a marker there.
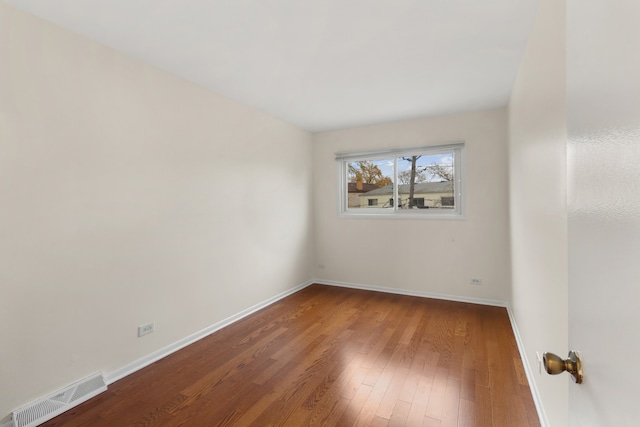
(319, 213)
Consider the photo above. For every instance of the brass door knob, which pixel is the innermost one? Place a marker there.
(555, 365)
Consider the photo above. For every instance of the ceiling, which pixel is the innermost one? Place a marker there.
(320, 64)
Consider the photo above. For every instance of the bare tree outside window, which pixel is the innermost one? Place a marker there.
(412, 177)
(404, 177)
(439, 170)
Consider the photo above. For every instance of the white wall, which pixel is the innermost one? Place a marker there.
(537, 176)
(603, 65)
(128, 195)
(434, 256)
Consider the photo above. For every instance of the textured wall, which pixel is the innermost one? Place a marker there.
(603, 65)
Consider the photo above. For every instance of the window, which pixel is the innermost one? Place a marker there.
(414, 182)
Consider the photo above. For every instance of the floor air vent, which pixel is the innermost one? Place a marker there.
(49, 407)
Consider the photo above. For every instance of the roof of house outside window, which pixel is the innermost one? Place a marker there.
(419, 188)
(354, 187)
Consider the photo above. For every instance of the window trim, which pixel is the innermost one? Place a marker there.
(459, 212)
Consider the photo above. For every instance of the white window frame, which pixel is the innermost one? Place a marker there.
(458, 150)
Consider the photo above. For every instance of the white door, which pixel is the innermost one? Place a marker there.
(603, 117)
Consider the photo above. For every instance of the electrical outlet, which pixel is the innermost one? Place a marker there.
(476, 282)
(145, 329)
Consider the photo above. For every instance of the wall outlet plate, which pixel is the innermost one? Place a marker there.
(476, 282)
(145, 329)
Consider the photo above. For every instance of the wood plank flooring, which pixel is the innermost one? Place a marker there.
(328, 356)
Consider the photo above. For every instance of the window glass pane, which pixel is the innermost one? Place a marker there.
(370, 184)
(426, 181)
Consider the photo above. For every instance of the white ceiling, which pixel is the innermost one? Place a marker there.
(320, 64)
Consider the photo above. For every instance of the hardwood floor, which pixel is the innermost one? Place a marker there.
(329, 356)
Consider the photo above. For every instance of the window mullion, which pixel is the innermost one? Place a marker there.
(395, 185)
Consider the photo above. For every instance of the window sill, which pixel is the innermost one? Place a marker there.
(402, 215)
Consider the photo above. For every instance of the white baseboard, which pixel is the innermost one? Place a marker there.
(537, 400)
(423, 294)
(118, 374)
